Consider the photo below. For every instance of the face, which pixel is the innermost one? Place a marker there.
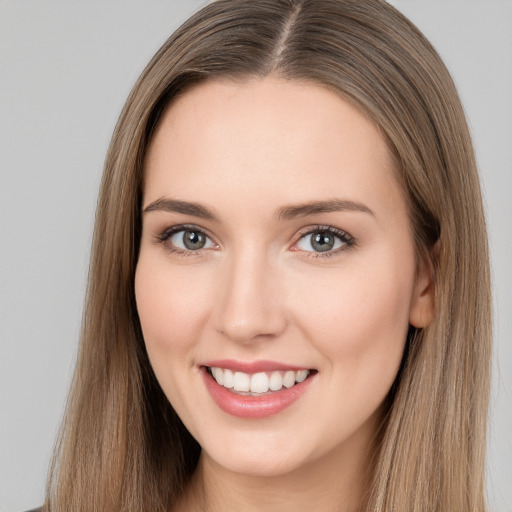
(277, 275)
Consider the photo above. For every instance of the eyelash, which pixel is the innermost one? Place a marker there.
(347, 240)
(168, 233)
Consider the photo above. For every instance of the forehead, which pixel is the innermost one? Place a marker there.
(282, 140)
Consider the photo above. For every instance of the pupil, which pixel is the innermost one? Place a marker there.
(193, 240)
(322, 242)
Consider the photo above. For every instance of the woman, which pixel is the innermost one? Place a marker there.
(288, 302)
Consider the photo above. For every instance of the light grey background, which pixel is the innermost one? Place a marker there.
(66, 68)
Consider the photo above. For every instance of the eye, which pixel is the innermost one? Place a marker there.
(190, 240)
(324, 240)
(184, 240)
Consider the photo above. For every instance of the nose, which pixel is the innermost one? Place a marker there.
(250, 300)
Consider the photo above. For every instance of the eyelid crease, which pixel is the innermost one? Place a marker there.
(325, 228)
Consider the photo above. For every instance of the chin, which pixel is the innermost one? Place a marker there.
(256, 464)
(263, 454)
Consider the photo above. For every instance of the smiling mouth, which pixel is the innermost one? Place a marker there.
(257, 384)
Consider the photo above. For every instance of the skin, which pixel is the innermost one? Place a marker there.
(259, 291)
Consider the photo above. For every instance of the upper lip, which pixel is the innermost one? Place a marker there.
(252, 366)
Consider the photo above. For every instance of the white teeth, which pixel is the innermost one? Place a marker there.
(289, 379)
(228, 378)
(301, 375)
(241, 381)
(257, 383)
(218, 375)
(276, 381)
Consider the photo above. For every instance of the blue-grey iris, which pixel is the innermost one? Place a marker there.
(194, 240)
(322, 241)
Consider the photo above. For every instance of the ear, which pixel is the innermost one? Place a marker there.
(422, 311)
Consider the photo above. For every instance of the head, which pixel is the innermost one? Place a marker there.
(377, 62)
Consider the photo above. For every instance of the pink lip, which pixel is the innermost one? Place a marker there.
(251, 366)
(253, 407)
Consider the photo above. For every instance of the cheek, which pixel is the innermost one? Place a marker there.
(358, 317)
(358, 321)
(171, 306)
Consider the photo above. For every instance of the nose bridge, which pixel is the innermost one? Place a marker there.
(249, 304)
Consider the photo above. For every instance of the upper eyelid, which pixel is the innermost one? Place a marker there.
(331, 229)
(172, 230)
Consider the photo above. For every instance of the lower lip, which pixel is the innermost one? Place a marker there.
(253, 407)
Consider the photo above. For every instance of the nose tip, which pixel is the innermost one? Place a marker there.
(250, 317)
(249, 305)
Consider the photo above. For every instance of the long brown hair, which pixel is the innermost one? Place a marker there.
(122, 447)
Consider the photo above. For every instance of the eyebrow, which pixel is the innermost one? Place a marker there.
(176, 206)
(285, 213)
(317, 207)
